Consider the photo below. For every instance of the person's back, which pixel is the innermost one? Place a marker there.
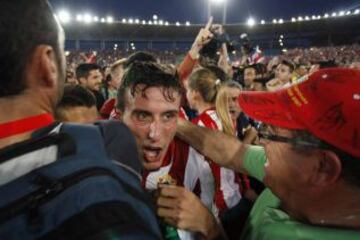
(57, 180)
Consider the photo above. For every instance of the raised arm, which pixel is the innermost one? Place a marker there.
(225, 150)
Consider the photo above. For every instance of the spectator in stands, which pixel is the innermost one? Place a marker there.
(70, 77)
(301, 70)
(316, 129)
(249, 77)
(283, 76)
(77, 105)
(90, 77)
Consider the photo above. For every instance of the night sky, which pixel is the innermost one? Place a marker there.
(196, 11)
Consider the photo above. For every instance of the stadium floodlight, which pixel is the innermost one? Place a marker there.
(293, 19)
(326, 15)
(67, 53)
(313, 17)
(300, 18)
(187, 23)
(334, 14)
(79, 18)
(166, 23)
(274, 21)
(87, 18)
(348, 13)
(251, 22)
(281, 36)
(132, 44)
(102, 20)
(64, 16)
(155, 17)
(161, 22)
(341, 13)
(155, 22)
(280, 40)
(177, 24)
(131, 21)
(124, 20)
(281, 44)
(143, 22)
(307, 18)
(137, 21)
(284, 50)
(150, 23)
(262, 22)
(281, 21)
(96, 19)
(109, 19)
(217, 2)
(318, 17)
(357, 11)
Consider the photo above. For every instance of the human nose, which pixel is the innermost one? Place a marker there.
(155, 130)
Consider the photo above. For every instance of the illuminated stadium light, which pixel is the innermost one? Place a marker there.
(187, 23)
(341, 13)
(177, 24)
(143, 22)
(334, 14)
(307, 18)
(166, 23)
(150, 23)
(281, 44)
(155, 22)
(318, 17)
(161, 22)
(102, 20)
(313, 17)
(64, 16)
(217, 1)
(284, 50)
(137, 21)
(281, 36)
(131, 21)
(274, 21)
(280, 40)
(87, 18)
(96, 19)
(293, 19)
(357, 11)
(326, 15)
(300, 19)
(281, 21)
(115, 45)
(251, 22)
(155, 17)
(262, 22)
(79, 18)
(123, 20)
(348, 13)
(109, 19)
(67, 53)
(132, 44)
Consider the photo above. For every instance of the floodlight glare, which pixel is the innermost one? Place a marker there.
(79, 18)
(96, 19)
(274, 21)
(177, 24)
(123, 20)
(307, 18)
(300, 19)
(87, 18)
(357, 11)
(143, 22)
(262, 22)
(187, 23)
(251, 22)
(161, 22)
(103, 20)
(341, 13)
(109, 19)
(313, 17)
(348, 13)
(64, 16)
(293, 19)
(131, 21)
(150, 23)
(166, 23)
(334, 14)
(217, 2)
(155, 17)
(137, 21)
(326, 15)
(281, 21)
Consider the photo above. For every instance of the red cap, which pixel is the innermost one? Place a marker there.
(326, 104)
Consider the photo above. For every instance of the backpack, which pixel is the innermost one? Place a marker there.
(80, 194)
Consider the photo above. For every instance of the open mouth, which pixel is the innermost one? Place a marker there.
(151, 154)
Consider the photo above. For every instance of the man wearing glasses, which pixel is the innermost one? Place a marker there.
(309, 161)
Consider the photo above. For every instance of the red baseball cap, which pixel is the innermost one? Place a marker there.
(326, 104)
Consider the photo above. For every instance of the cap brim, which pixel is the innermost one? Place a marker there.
(269, 107)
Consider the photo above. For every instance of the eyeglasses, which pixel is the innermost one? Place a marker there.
(264, 133)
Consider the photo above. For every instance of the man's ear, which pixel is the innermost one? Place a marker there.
(82, 80)
(328, 168)
(44, 66)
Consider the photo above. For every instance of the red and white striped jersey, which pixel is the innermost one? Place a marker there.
(220, 186)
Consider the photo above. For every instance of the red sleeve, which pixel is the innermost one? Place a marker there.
(186, 67)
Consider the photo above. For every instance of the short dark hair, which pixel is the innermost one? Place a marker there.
(350, 164)
(84, 69)
(150, 75)
(289, 64)
(219, 73)
(139, 57)
(77, 96)
(24, 25)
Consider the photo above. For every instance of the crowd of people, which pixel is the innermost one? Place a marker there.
(261, 147)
